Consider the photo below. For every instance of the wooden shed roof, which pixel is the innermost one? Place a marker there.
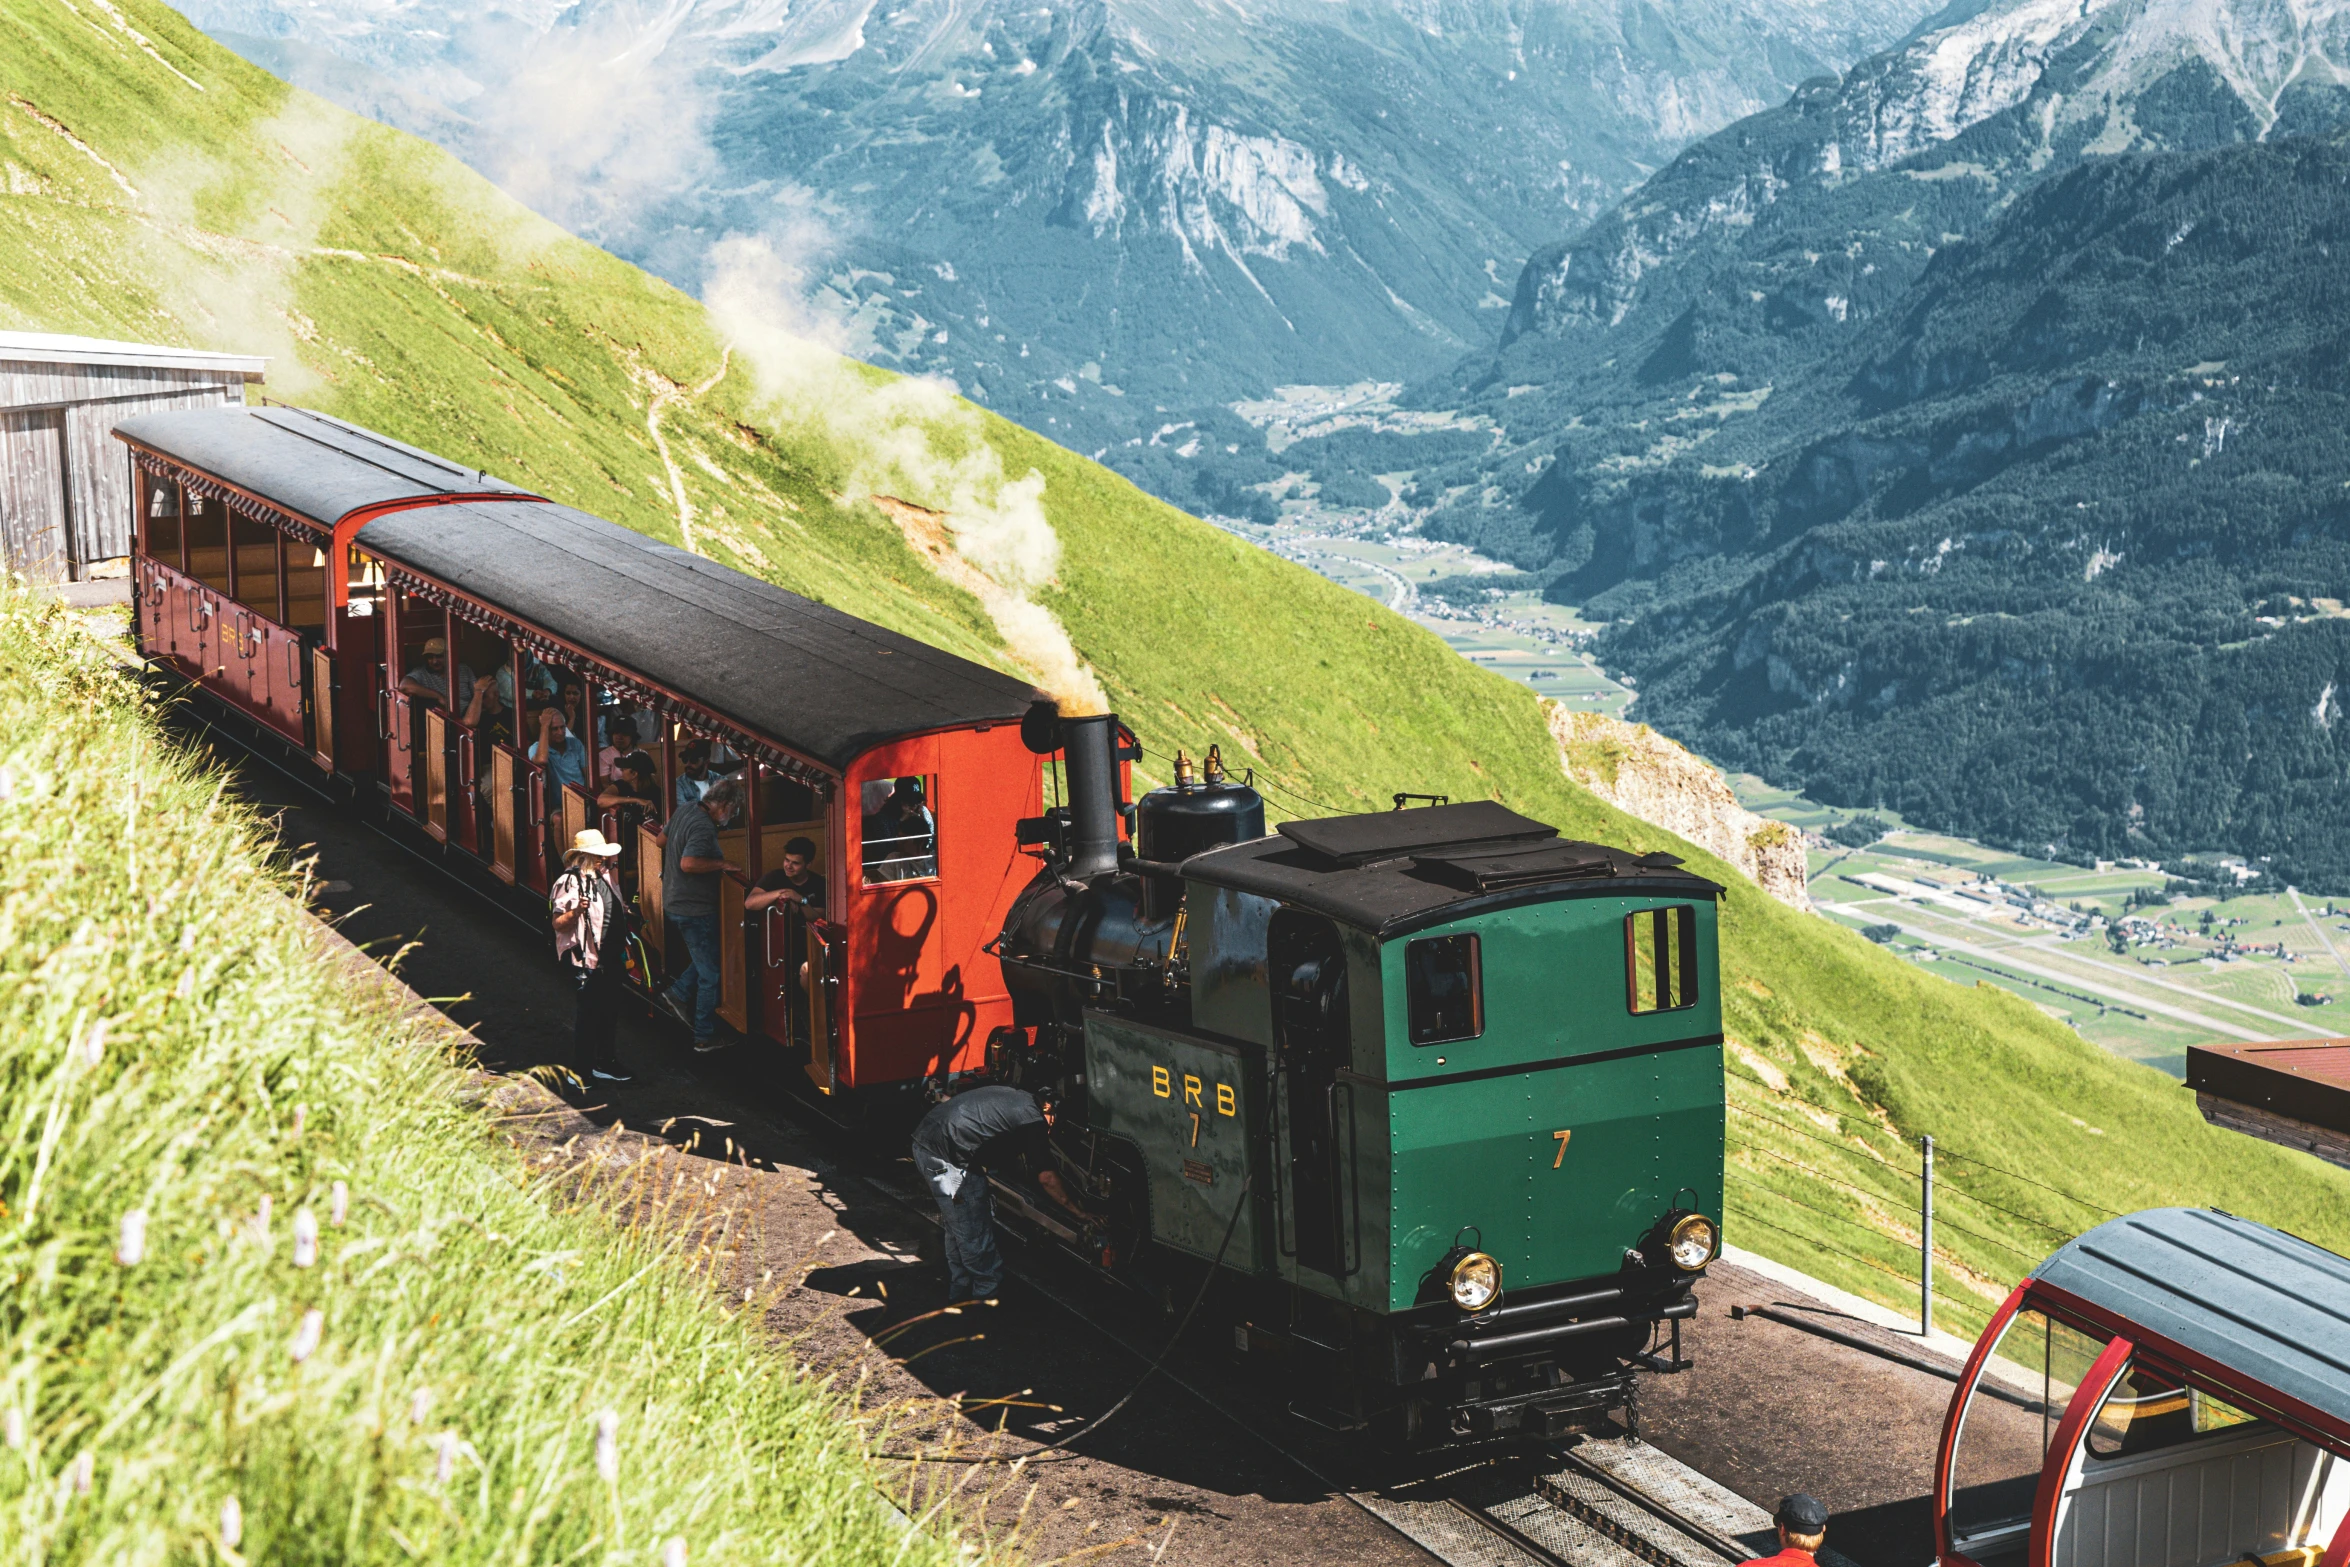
(56, 348)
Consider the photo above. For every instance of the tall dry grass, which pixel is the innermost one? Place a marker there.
(272, 1286)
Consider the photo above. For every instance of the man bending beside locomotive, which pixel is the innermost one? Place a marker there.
(689, 896)
(997, 1128)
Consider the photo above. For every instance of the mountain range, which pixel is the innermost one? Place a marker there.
(1966, 435)
(1110, 220)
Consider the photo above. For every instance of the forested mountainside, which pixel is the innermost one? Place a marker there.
(1109, 220)
(154, 186)
(1967, 436)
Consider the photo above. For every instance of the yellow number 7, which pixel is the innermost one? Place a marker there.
(1562, 1153)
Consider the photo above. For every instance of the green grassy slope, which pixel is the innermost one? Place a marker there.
(428, 1383)
(408, 295)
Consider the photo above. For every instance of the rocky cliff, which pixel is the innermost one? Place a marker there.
(1637, 770)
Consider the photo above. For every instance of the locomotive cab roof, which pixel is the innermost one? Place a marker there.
(1389, 872)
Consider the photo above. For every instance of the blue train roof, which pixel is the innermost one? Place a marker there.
(2263, 1303)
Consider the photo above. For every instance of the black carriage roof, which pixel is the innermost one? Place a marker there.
(2267, 1305)
(1388, 872)
(819, 682)
(303, 462)
(824, 683)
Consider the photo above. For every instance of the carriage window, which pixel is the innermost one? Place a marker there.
(207, 533)
(256, 546)
(900, 828)
(162, 515)
(1444, 990)
(2148, 1409)
(305, 586)
(2004, 1432)
(1660, 959)
(364, 582)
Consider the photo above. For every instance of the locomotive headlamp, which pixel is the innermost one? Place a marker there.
(1475, 1282)
(1692, 1242)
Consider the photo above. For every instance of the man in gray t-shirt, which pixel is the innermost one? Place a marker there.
(690, 866)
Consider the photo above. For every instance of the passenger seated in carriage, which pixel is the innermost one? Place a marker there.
(559, 751)
(630, 788)
(428, 680)
(792, 881)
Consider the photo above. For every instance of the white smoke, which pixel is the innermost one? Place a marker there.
(909, 444)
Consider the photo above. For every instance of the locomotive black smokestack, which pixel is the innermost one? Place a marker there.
(1089, 754)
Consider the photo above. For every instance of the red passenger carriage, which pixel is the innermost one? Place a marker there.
(294, 567)
(2171, 1389)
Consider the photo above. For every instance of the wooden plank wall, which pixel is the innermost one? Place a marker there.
(52, 530)
(32, 493)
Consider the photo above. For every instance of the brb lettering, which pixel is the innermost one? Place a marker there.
(1194, 1102)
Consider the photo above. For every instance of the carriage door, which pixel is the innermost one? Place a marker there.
(505, 768)
(1315, 1043)
(322, 708)
(436, 774)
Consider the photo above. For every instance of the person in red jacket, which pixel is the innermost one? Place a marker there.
(1803, 1528)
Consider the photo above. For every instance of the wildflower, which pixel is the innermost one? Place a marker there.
(301, 1114)
(608, 1446)
(445, 1461)
(306, 1336)
(232, 1523)
(84, 1471)
(419, 1405)
(338, 1207)
(12, 1429)
(130, 1246)
(88, 1047)
(305, 1237)
(673, 1554)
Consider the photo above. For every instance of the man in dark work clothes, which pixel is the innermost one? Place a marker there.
(1803, 1529)
(997, 1128)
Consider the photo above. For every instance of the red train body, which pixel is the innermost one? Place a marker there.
(292, 567)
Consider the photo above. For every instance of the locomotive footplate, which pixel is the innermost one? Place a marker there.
(1547, 1411)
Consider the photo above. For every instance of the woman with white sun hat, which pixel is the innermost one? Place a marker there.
(591, 939)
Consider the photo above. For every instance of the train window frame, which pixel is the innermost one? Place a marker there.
(1671, 967)
(164, 503)
(919, 866)
(2125, 1423)
(1417, 1001)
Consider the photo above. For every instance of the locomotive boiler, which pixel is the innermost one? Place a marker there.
(1437, 1092)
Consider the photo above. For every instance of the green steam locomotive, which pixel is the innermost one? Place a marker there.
(1436, 1092)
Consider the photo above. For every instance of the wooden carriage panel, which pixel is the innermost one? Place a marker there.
(322, 708)
(504, 845)
(436, 774)
(733, 965)
(651, 915)
(578, 811)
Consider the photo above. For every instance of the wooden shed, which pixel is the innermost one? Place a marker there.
(65, 491)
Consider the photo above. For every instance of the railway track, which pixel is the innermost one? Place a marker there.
(1592, 1502)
